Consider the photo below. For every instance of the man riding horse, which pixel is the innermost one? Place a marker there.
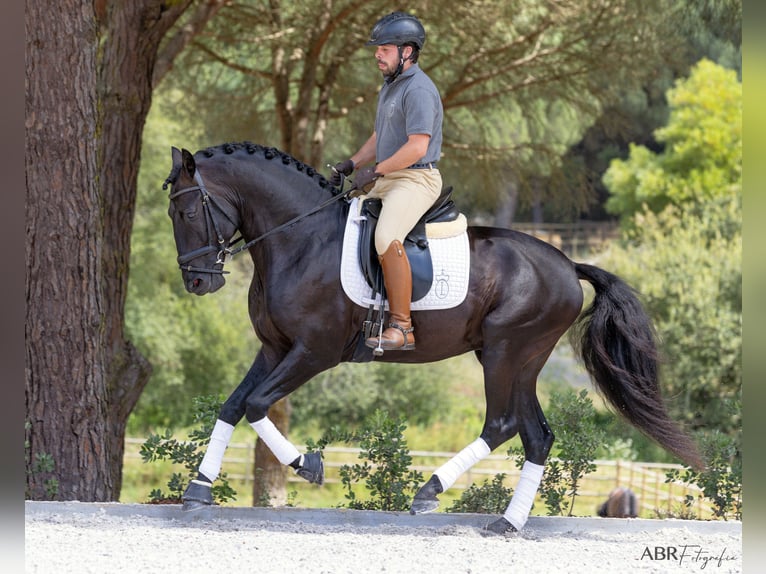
(406, 146)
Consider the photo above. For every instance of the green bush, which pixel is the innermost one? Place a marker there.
(489, 498)
(189, 454)
(721, 480)
(389, 482)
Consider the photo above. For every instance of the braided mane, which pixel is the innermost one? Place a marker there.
(268, 153)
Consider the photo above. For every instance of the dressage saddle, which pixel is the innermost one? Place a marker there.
(415, 244)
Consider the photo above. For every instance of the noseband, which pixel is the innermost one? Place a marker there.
(208, 204)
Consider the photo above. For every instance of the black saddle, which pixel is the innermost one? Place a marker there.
(415, 244)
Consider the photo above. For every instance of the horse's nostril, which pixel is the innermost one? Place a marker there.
(196, 282)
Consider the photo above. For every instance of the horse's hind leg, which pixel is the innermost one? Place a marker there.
(537, 439)
(510, 396)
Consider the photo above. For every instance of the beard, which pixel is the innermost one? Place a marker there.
(386, 69)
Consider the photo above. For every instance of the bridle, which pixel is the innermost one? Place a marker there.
(225, 253)
(208, 204)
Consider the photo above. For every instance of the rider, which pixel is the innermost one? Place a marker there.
(406, 145)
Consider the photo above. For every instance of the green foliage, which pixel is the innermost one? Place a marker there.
(492, 497)
(43, 466)
(702, 159)
(389, 483)
(189, 454)
(353, 392)
(578, 437)
(197, 346)
(721, 480)
(684, 247)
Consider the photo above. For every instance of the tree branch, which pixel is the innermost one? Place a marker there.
(175, 45)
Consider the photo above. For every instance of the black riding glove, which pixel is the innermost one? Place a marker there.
(363, 181)
(342, 168)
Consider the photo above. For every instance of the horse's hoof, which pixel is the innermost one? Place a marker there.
(191, 505)
(424, 505)
(312, 469)
(425, 500)
(197, 496)
(500, 527)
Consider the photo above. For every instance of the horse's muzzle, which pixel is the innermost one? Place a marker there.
(203, 284)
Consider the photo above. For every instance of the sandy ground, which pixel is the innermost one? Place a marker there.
(61, 542)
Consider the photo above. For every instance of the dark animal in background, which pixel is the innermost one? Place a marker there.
(622, 503)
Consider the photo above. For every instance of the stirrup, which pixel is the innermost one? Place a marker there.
(377, 342)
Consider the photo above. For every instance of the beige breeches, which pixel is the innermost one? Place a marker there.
(406, 195)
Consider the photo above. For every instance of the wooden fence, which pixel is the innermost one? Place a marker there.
(647, 480)
(578, 240)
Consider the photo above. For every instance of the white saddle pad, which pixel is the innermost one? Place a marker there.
(451, 259)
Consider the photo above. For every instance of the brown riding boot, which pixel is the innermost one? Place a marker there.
(397, 276)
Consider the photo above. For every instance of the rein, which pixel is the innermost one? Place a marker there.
(225, 253)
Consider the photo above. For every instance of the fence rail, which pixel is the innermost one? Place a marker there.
(646, 479)
(577, 240)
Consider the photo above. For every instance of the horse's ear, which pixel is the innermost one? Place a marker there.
(176, 157)
(188, 162)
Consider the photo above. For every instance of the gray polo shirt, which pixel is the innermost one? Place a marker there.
(409, 105)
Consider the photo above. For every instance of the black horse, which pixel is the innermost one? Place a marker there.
(523, 296)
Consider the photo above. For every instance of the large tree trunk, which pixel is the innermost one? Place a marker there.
(88, 91)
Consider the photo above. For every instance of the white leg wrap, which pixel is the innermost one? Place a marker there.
(219, 440)
(524, 495)
(282, 448)
(451, 470)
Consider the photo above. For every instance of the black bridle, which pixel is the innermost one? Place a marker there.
(225, 253)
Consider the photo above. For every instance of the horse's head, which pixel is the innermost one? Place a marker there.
(203, 225)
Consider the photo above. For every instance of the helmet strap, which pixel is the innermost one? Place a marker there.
(400, 67)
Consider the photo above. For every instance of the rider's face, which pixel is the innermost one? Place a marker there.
(387, 57)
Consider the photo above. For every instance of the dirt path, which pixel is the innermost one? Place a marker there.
(60, 539)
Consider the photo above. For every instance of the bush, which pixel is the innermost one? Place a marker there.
(489, 498)
(385, 471)
(721, 481)
(189, 454)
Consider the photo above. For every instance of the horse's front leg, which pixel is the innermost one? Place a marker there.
(259, 389)
(198, 493)
(297, 367)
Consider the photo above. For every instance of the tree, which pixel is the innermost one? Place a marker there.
(88, 90)
(520, 81)
(683, 212)
(702, 160)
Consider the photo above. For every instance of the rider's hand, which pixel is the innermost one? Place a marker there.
(342, 168)
(364, 180)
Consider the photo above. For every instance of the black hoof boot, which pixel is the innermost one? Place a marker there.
(425, 500)
(312, 468)
(500, 527)
(197, 496)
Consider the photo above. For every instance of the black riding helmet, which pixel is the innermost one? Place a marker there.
(399, 29)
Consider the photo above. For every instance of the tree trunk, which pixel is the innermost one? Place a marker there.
(88, 91)
(65, 381)
(506, 206)
(270, 475)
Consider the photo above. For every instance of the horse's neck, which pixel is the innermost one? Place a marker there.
(264, 211)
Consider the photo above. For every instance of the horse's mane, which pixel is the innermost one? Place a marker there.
(268, 153)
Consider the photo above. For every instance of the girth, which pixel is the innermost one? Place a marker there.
(415, 244)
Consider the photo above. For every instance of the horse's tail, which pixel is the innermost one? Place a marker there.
(616, 340)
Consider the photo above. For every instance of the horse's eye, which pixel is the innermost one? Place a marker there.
(190, 214)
